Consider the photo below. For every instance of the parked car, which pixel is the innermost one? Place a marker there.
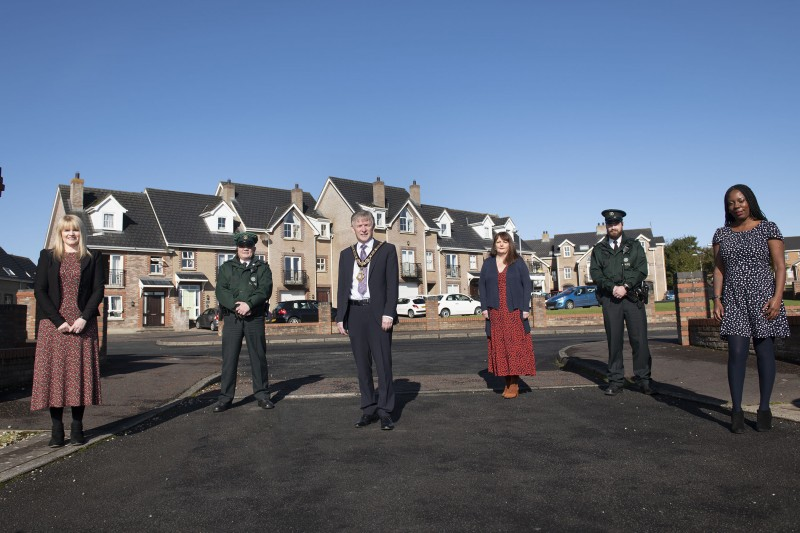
(411, 307)
(581, 296)
(295, 311)
(457, 304)
(208, 319)
(669, 296)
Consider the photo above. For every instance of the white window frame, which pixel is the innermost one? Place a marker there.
(473, 262)
(380, 219)
(222, 257)
(567, 272)
(187, 260)
(588, 269)
(116, 279)
(222, 223)
(158, 263)
(406, 222)
(429, 261)
(291, 228)
(322, 264)
(108, 220)
(567, 250)
(114, 312)
(261, 257)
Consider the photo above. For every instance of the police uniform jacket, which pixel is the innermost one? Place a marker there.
(251, 284)
(47, 287)
(627, 265)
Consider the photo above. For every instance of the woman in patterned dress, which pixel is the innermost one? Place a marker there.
(68, 289)
(505, 291)
(748, 297)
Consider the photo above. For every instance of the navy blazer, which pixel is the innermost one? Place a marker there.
(383, 280)
(518, 289)
(47, 287)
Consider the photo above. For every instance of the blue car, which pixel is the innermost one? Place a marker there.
(670, 296)
(582, 296)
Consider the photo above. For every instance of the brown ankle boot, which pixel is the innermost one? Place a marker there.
(513, 388)
(508, 384)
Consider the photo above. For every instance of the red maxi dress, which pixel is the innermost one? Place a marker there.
(510, 348)
(66, 370)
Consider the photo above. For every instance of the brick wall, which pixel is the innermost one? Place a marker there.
(704, 332)
(16, 357)
(690, 302)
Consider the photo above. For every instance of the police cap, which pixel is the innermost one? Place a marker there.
(613, 216)
(246, 238)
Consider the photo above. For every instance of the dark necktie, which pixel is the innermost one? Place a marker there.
(614, 245)
(362, 283)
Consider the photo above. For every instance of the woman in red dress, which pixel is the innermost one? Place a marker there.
(505, 291)
(68, 289)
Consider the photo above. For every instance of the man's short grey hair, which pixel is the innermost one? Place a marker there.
(358, 215)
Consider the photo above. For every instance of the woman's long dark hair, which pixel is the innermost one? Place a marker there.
(752, 203)
(512, 254)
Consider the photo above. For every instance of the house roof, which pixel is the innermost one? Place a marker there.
(139, 225)
(360, 192)
(179, 215)
(462, 235)
(791, 243)
(588, 238)
(258, 206)
(23, 268)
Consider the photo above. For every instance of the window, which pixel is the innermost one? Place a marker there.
(452, 288)
(114, 307)
(187, 260)
(473, 262)
(380, 219)
(108, 221)
(567, 273)
(157, 266)
(324, 230)
(406, 222)
(292, 270)
(115, 272)
(589, 269)
(8, 271)
(8, 299)
(443, 227)
(567, 251)
(322, 264)
(451, 265)
(291, 229)
(221, 258)
(261, 257)
(221, 223)
(429, 261)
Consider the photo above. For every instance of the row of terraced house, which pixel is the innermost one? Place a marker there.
(162, 248)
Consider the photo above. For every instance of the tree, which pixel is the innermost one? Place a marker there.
(685, 255)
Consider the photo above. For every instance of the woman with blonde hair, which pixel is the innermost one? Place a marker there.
(68, 290)
(505, 291)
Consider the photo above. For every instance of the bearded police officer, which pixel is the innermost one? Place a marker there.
(244, 285)
(619, 268)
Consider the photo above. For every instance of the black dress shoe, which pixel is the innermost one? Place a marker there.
(221, 406)
(266, 404)
(366, 420)
(645, 388)
(386, 423)
(613, 390)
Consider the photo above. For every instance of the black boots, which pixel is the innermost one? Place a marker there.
(57, 435)
(764, 420)
(76, 437)
(737, 422)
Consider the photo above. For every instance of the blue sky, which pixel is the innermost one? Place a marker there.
(547, 112)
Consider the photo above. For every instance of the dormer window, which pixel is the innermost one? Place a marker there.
(221, 223)
(291, 228)
(567, 250)
(324, 230)
(406, 222)
(108, 221)
(380, 219)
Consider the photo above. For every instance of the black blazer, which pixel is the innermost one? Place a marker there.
(47, 287)
(383, 283)
(518, 288)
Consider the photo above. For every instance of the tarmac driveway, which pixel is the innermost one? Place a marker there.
(553, 459)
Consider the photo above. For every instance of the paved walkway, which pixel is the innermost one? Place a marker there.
(136, 389)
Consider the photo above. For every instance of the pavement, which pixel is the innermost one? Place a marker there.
(139, 388)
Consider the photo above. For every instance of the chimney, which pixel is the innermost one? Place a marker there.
(601, 229)
(545, 236)
(413, 192)
(228, 191)
(297, 196)
(76, 192)
(378, 193)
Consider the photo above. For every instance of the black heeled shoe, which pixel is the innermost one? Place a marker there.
(737, 422)
(76, 436)
(56, 435)
(763, 420)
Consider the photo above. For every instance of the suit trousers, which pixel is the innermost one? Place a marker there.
(369, 342)
(616, 315)
(252, 330)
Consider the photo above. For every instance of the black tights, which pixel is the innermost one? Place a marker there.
(57, 413)
(738, 350)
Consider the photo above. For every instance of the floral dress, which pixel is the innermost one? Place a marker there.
(749, 282)
(67, 366)
(510, 348)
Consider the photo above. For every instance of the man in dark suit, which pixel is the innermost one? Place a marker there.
(367, 311)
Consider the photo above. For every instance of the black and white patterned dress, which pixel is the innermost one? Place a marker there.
(749, 282)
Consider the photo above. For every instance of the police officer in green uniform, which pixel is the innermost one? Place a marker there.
(619, 268)
(244, 285)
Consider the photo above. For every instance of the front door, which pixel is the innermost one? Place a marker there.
(153, 309)
(190, 300)
(323, 294)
